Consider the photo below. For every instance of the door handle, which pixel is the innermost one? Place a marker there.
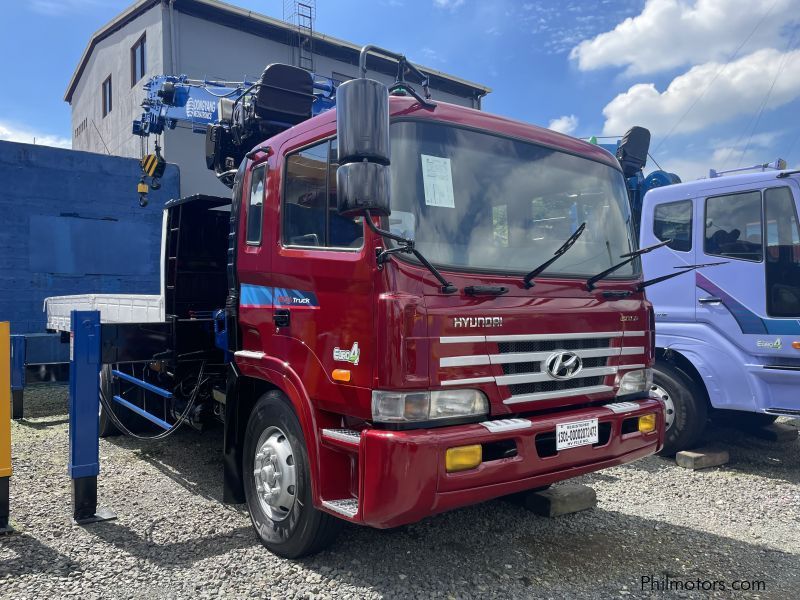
(710, 300)
(281, 317)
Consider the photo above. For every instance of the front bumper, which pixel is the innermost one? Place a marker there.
(403, 477)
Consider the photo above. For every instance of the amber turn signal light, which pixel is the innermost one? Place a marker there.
(341, 375)
(647, 423)
(462, 458)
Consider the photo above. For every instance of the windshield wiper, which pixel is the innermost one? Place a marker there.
(630, 256)
(683, 269)
(564, 247)
(407, 247)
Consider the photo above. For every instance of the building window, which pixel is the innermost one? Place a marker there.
(80, 128)
(310, 215)
(255, 208)
(733, 226)
(673, 221)
(107, 103)
(137, 60)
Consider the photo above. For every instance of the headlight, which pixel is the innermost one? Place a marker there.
(640, 380)
(409, 407)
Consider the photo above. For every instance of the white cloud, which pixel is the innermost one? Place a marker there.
(451, 4)
(564, 124)
(690, 104)
(12, 133)
(674, 33)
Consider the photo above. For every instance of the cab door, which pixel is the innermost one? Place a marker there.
(321, 281)
(730, 297)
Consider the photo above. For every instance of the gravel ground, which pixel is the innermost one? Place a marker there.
(174, 538)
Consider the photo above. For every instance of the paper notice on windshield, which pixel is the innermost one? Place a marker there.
(438, 181)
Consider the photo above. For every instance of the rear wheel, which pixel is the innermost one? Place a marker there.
(277, 482)
(685, 408)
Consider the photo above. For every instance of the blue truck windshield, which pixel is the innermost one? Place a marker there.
(474, 200)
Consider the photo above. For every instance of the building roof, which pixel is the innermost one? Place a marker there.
(264, 26)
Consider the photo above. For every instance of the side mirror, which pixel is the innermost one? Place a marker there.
(362, 126)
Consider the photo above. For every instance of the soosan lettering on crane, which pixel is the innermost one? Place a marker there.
(200, 109)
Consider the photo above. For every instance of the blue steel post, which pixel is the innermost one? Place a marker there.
(17, 375)
(84, 394)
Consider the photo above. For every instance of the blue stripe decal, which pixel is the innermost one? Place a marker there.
(267, 297)
(749, 322)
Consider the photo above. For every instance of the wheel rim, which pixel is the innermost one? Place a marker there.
(669, 405)
(274, 474)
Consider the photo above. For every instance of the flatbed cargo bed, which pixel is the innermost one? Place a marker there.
(114, 308)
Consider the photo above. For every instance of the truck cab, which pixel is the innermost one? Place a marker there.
(405, 307)
(728, 336)
(413, 397)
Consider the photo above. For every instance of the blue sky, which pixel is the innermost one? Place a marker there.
(717, 81)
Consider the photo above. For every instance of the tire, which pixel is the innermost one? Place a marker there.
(747, 421)
(688, 405)
(287, 522)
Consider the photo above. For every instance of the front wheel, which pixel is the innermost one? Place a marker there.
(685, 408)
(277, 482)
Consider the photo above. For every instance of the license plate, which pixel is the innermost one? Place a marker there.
(577, 433)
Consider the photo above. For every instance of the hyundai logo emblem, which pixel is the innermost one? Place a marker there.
(563, 365)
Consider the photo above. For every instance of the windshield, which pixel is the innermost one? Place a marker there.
(474, 200)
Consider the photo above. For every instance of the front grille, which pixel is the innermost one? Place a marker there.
(536, 367)
(554, 385)
(552, 345)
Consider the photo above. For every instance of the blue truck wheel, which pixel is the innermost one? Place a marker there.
(689, 405)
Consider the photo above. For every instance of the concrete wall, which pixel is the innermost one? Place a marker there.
(202, 50)
(72, 225)
(112, 56)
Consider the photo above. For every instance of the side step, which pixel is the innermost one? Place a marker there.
(348, 439)
(345, 506)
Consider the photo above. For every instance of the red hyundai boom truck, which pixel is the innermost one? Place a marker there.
(425, 307)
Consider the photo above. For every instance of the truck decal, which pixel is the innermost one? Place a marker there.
(749, 322)
(259, 296)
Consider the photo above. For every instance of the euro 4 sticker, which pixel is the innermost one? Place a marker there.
(345, 355)
(776, 345)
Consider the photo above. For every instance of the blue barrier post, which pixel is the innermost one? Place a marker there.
(84, 398)
(17, 375)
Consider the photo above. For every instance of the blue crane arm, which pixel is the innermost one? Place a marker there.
(172, 100)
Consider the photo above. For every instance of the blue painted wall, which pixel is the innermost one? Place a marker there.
(70, 223)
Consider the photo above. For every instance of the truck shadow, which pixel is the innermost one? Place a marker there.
(526, 556)
(22, 547)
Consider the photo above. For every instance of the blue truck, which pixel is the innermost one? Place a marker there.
(728, 337)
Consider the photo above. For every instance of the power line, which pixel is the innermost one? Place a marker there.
(718, 73)
(784, 60)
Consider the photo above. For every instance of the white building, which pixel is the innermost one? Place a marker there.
(204, 39)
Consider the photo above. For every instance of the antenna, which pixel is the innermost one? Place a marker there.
(302, 15)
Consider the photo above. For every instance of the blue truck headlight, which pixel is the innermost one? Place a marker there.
(640, 380)
(410, 407)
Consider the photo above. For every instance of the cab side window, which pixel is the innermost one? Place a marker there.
(255, 205)
(673, 221)
(733, 226)
(309, 211)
